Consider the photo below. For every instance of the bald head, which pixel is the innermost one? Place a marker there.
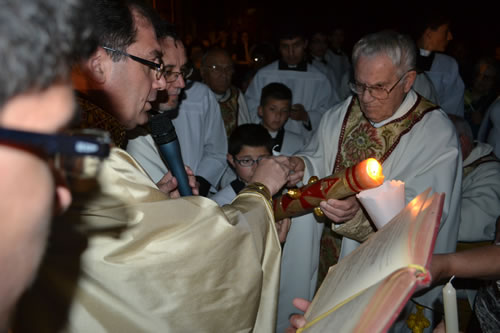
(217, 70)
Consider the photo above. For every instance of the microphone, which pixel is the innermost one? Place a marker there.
(163, 133)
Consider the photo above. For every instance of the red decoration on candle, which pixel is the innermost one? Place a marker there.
(364, 175)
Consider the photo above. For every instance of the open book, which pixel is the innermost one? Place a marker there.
(367, 290)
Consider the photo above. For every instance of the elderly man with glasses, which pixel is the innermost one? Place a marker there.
(127, 256)
(217, 69)
(385, 119)
(196, 118)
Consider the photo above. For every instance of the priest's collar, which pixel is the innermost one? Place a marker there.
(409, 100)
(425, 53)
(300, 67)
(223, 97)
(92, 116)
(425, 59)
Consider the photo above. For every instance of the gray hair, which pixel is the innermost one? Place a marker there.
(398, 47)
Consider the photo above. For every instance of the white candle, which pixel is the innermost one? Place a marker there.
(450, 308)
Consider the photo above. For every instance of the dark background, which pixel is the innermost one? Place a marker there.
(476, 22)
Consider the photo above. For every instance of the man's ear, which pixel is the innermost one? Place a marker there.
(260, 112)
(230, 160)
(409, 80)
(98, 65)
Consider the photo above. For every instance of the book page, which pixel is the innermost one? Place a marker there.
(379, 302)
(383, 253)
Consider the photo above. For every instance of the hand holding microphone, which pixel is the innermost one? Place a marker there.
(163, 133)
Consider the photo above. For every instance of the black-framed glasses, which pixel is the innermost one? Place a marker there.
(380, 93)
(171, 76)
(248, 162)
(77, 154)
(158, 68)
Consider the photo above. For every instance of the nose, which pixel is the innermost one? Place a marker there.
(159, 84)
(450, 36)
(180, 82)
(366, 96)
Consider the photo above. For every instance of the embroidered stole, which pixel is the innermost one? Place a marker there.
(229, 111)
(92, 116)
(471, 167)
(359, 140)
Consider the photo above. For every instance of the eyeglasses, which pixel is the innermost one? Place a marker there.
(159, 68)
(219, 70)
(248, 162)
(77, 154)
(380, 93)
(171, 76)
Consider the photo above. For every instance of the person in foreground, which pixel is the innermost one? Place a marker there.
(36, 102)
(385, 119)
(128, 258)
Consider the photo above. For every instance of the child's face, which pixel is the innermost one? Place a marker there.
(274, 113)
(245, 156)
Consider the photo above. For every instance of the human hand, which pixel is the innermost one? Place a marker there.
(340, 211)
(298, 112)
(273, 172)
(298, 166)
(168, 184)
(282, 227)
(297, 320)
(438, 267)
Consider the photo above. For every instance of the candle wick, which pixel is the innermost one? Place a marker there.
(451, 279)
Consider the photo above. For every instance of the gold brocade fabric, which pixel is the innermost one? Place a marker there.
(229, 111)
(488, 158)
(95, 117)
(126, 258)
(360, 140)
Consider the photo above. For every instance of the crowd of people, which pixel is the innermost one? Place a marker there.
(96, 236)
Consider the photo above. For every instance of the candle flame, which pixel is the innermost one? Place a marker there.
(374, 170)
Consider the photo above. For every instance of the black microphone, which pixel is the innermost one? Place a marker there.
(163, 133)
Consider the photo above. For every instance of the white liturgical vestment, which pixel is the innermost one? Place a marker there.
(449, 85)
(126, 258)
(480, 196)
(489, 131)
(201, 134)
(427, 156)
(311, 88)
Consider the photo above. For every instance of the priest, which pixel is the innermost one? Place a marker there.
(385, 119)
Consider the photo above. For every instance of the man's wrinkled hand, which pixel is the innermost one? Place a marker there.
(169, 185)
(340, 211)
(272, 172)
(297, 166)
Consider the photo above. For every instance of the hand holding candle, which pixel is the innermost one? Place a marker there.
(364, 175)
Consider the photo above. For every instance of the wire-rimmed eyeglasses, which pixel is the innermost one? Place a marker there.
(376, 92)
(248, 162)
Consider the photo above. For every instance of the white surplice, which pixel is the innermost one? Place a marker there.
(489, 131)
(480, 197)
(449, 85)
(427, 156)
(201, 134)
(311, 89)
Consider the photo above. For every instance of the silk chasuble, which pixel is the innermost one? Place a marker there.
(126, 258)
